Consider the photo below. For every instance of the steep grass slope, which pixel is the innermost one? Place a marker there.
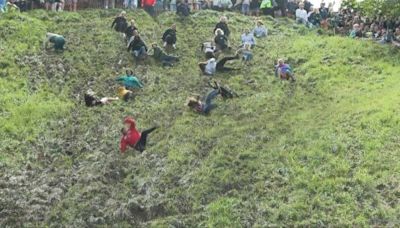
(322, 151)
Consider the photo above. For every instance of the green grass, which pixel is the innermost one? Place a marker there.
(323, 151)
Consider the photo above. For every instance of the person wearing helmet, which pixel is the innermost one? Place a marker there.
(131, 137)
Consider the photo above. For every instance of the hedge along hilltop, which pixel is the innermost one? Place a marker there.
(323, 151)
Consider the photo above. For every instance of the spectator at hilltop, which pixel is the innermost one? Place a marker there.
(301, 15)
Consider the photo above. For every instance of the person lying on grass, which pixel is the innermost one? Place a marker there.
(120, 24)
(211, 66)
(129, 81)
(204, 105)
(169, 37)
(284, 71)
(137, 46)
(125, 94)
(160, 56)
(131, 137)
(91, 100)
(57, 40)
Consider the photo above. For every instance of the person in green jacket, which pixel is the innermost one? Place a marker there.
(57, 40)
(129, 81)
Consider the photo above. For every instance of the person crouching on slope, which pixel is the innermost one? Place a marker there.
(132, 137)
(57, 40)
(284, 71)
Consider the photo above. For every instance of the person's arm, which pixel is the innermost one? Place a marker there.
(114, 22)
(123, 144)
(165, 35)
(121, 78)
(45, 42)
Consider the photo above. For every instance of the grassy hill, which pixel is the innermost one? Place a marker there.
(323, 151)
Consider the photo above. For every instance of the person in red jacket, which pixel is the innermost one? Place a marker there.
(148, 6)
(132, 137)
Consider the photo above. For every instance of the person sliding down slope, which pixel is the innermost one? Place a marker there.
(284, 71)
(211, 66)
(132, 137)
(169, 37)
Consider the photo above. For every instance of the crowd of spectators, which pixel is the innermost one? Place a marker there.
(345, 22)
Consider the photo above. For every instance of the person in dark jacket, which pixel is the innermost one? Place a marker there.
(169, 37)
(120, 24)
(223, 25)
(182, 9)
(137, 46)
(220, 40)
(164, 58)
(130, 29)
(92, 100)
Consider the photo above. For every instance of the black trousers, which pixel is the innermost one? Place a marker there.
(221, 64)
(141, 145)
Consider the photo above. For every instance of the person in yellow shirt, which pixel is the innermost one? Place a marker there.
(124, 94)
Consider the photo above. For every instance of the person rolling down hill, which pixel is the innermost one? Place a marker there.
(137, 46)
(205, 105)
(129, 81)
(225, 91)
(211, 66)
(132, 137)
(164, 58)
(209, 50)
(120, 23)
(284, 71)
(57, 40)
(169, 37)
(91, 100)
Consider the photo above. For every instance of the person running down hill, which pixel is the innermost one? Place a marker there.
(132, 137)
(120, 23)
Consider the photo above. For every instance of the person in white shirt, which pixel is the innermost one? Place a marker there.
(301, 14)
(211, 66)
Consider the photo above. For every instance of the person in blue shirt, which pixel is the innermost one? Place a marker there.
(129, 81)
(248, 38)
(260, 31)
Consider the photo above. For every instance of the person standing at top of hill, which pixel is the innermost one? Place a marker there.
(148, 6)
(57, 40)
(169, 37)
(129, 81)
(137, 46)
(307, 5)
(132, 137)
(220, 40)
(72, 4)
(260, 31)
(129, 30)
(284, 71)
(120, 22)
(223, 25)
(301, 15)
(182, 8)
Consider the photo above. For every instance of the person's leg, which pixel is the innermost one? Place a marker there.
(169, 58)
(141, 144)
(202, 67)
(208, 106)
(221, 63)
